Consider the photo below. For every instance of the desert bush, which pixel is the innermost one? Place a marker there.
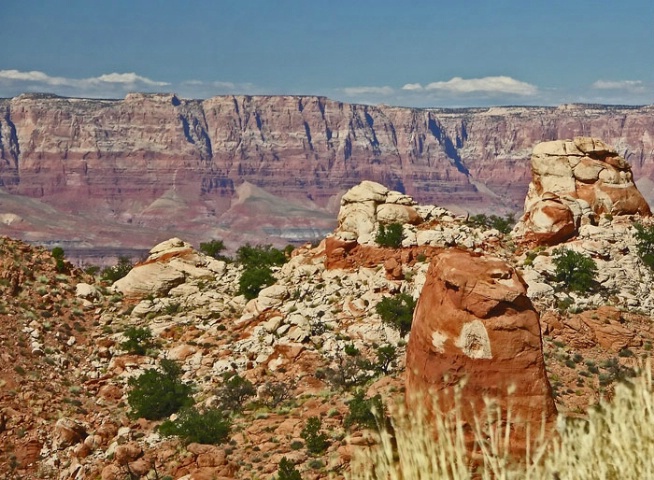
(139, 340)
(156, 394)
(645, 243)
(350, 371)
(253, 280)
(615, 440)
(259, 256)
(390, 235)
(365, 412)
(192, 426)
(118, 271)
(274, 393)
(60, 261)
(501, 224)
(315, 441)
(234, 391)
(397, 312)
(213, 248)
(287, 470)
(386, 357)
(574, 269)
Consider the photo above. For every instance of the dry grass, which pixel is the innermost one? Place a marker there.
(615, 441)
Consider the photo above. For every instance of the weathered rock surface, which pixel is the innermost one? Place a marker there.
(175, 165)
(574, 183)
(474, 322)
(168, 266)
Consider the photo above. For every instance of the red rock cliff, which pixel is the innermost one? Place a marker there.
(157, 160)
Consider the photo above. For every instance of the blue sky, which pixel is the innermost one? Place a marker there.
(414, 53)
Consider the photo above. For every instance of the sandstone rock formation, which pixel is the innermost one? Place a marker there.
(574, 183)
(174, 166)
(168, 265)
(366, 205)
(474, 323)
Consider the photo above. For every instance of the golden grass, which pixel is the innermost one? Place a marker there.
(615, 441)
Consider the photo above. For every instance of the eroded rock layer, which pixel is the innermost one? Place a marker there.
(574, 183)
(171, 164)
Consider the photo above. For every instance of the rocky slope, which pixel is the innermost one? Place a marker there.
(136, 171)
(314, 334)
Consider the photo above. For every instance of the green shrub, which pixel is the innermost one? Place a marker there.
(315, 441)
(501, 224)
(157, 394)
(209, 427)
(234, 391)
(253, 280)
(351, 371)
(575, 270)
(386, 356)
(139, 340)
(364, 412)
(645, 243)
(118, 271)
(58, 255)
(260, 255)
(213, 249)
(397, 312)
(274, 393)
(390, 235)
(287, 471)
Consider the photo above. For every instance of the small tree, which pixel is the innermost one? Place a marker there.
(139, 340)
(118, 271)
(253, 280)
(275, 393)
(234, 392)
(259, 256)
(397, 312)
(574, 269)
(645, 243)
(315, 441)
(501, 224)
(209, 427)
(158, 394)
(58, 255)
(365, 412)
(287, 470)
(386, 356)
(390, 235)
(213, 249)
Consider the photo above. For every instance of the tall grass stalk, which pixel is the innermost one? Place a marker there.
(614, 441)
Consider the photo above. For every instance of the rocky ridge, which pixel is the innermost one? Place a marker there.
(134, 172)
(299, 332)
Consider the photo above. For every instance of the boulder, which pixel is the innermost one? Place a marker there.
(474, 323)
(574, 183)
(367, 205)
(169, 265)
(68, 432)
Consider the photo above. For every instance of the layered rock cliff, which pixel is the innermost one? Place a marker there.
(176, 165)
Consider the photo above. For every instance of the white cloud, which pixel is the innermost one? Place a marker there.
(486, 85)
(413, 87)
(628, 85)
(355, 91)
(108, 84)
(126, 78)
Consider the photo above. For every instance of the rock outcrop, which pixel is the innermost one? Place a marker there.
(168, 266)
(112, 168)
(574, 183)
(474, 323)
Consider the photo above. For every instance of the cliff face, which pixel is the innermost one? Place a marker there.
(166, 163)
